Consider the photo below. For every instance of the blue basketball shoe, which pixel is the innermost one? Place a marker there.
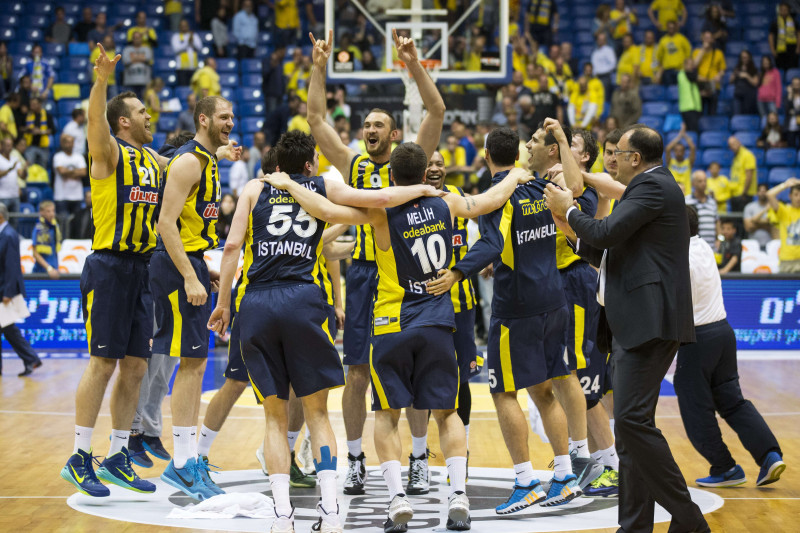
(80, 472)
(188, 480)
(117, 469)
(562, 491)
(522, 497)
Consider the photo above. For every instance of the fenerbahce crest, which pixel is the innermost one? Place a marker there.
(486, 488)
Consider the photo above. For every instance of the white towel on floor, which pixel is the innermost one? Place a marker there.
(246, 504)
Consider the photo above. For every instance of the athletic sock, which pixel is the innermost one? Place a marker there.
(328, 490)
(279, 484)
(524, 473)
(182, 439)
(610, 457)
(205, 441)
(419, 446)
(83, 439)
(391, 474)
(119, 438)
(194, 441)
(562, 466)
(457, 471)
(466, 430)
(571, 445)
(582, 447)
(292, 436)
(611, 424)
(354, 447)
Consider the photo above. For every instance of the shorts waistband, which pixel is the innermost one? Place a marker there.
(364, 262)
(277, 284)
(125, 255)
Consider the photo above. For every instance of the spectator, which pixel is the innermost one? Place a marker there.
(566, 55)
(205, 80)
(769, 88)
(38, 128)
(101, 31)
(287, 22)
(756, 221)
(678, 163)
(278, 121)
(76, 128)
(204, 11)
(622, 19)
(80, 33)
(783, 38)
(743, 175)
(527, 115)
(111, 53)
(273, 81)
(245, 30)
(315, 15)
(8, 124)
(298, 76)
(138, 61)
(173, 10)
(298, 121)
(710, 62)
(715, 24)
(629, 59)
(256, 152)
(40, 71)
(745, 80)
(546, 103)
(668, 11)
(583, 112)
(648, 62)
(80, 224)
(219, 31)
(459, 129)
(788, 222)
(59, 32)
(626, 104)
(186, 117)
(792, 124)
(227, 206)
(718, 186)
(46, 241)
(240, 173)
(602, 25)
(186, 45)
(773, 135)
(673, 50)
(152, 102)
(368, 61)
(706, 206)
(455, 162)
(70, 169)
(729, 248)
(9, 176)
(6, 70)
(541, 20)
(689, 103)
(604, 61)
(149, 37)
(25, 93)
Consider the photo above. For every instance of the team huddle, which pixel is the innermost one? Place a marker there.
(410, 301)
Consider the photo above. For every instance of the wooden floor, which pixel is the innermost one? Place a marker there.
(36, 436)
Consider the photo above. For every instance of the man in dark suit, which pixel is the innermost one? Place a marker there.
(642, 250)
(12, 284)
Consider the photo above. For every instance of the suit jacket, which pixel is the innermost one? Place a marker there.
(648, 291)
(11, 281)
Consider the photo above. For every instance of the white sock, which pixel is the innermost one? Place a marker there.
(419, 446)
(582, 446)
(83, 439)
(292, 436)
(562, 466)
(571, 445)
(611, 423)
(119, 438)
(457, 470)
(598, 456)
(610, 457)
(391, 474)
(307, 432)
(328, 491)
(466, 430)
(524, 473)
(205, 441)
(279, 484)
(183, 441)
(354, 447)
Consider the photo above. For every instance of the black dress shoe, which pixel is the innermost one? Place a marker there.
(27, 372)
(37, 364)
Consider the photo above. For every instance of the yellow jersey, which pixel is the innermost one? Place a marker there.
(672, 51)
(682, 172)
(788, 219)
(720, 188)
(367, 174)
(462, 293)
(743, 161)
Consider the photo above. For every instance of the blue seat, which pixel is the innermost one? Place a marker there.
(123, 10)
(164, 64)
(35, 21)
(581, 24)
(39, 9)
(778, 175)
(54, 50)
(734, 48)
(672, 93)
(724, 107)
(253, 66)
(74, 76)
(756, 35)
(252, 124)
(652, 121)
(166, 93)
(722, 156)
(655, 108)
(670, 136)
(9, 20)
(713, 139)
(652, 93)
(792, 73)
(8, 34)
(753, 8)
(584, 37)
(745, 122)
(249, 109)
(77, 63)
(758, 153)
(252, 80)
(672, 122)
(182, 92)
(747, 138)
(781, 157)
(154, 10)
(17, 8)
(251, 95)
(158, 140)
(713, 123)
(227, 66)
(72, 9)
(62, 121)
(79, 49)
(32, 35)
(167, 122)
(66, 106)
(229, 80)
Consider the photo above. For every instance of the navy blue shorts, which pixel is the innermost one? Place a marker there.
(117, 305)
(464, 341)
(181, 328)
(416, 367)
(526, 351)
(595, 379)
(580, 288)
(286, 334)
(362, 285)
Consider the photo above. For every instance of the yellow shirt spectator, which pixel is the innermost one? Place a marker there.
(286, 14)
(742, 162)
(111, 54)
(682, 171)
(8, 126)
(667, 10)
(597, 93)
(711, 65)
(648, 61)
(626, 18)
(788, 219)
(299, 122)
(628, 61)
(148, 35)
(720, 188)
(454, 158)
(672, 51)
(205, 82)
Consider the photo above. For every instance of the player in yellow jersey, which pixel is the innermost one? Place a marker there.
(115, 290)
(679, 164)
(370, 171)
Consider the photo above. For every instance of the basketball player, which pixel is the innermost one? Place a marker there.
(370, 171)
(279, 348)
(411, 353)
(529, 315)
(115, 291)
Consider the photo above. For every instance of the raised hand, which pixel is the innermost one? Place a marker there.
(322, 49)
(553, 126)
(103, 66)
(406, 50)
(230, 151)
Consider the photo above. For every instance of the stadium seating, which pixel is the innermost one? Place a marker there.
(745, 122)
(713, 139)
(722, 156)
(781, 157)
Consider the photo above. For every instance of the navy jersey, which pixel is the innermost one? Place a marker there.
(520, 239)
(421, 234)
(283, 242)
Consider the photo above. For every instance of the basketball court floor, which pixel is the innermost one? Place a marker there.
(37, 418)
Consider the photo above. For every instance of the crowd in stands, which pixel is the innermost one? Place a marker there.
(721, 81)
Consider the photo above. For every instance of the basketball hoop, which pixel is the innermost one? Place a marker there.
(413, 112)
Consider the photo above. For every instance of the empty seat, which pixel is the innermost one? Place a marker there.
(251, 95)
(164, 64)
(252, 124)
(672, 93)
(781, 157)
(252, 66)
(745, 122)
(652, 121)
(652, 93)
(672, 134)
(249, 109)
(34, 21)
(167, 122)
(655, 108)
(778, 175)
(758, 153)
(722, 156)
(792, 73)
(672, 122)
(713, 139)
(77, 63)
(66, 106)
(710, 123)
(227, 66)
(747, 138)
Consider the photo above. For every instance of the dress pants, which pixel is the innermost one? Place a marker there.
(648, 472)
(707, 382)
(20, 345)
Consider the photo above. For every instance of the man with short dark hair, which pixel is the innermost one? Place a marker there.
(642, 251)
(706, 206)
(76, 128)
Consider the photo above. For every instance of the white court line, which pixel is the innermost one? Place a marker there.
(764, 498)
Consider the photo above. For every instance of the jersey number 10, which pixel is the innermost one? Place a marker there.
(430, 253)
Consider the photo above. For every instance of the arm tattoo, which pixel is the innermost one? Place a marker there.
(470, 203)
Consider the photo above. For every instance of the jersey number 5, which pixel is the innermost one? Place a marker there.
(280, 222)
(430, 253)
